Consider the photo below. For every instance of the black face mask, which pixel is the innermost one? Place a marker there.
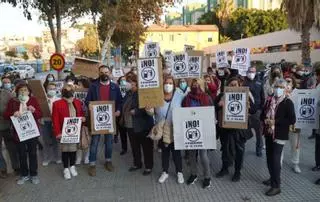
(104, 77)
(275, 74)
(67, 93)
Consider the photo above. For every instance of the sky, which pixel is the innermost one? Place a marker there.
(13, 22)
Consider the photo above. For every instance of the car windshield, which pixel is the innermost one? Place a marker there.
(22, 68)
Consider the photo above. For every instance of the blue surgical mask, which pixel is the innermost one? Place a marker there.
(23, 98)
(183, 85)
(50, 79)
(278, 92)
(7, 86)
(123, 82)
(52, 93)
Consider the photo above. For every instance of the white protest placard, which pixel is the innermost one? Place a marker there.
(151, 50)
(188, 48)
(306, 109)
(241, 60)
(168, 58)
(26, 126)
(194, 128)
(71, 130)
(148, 71)
(81, 94)
(102, 117)
(117, 73)
(180, 65)
(195, 62)
(221, 59)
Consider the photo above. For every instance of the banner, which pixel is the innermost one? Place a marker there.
(26, 126)
(306, 109)
(168, 58)
(195, 64)
(194, 128)
(148, 71)
(241, 60)
(71, 130)
(81, 94)
(180, 65)
(221, 59)
(235, 110)
(102, 117)
(151, 50)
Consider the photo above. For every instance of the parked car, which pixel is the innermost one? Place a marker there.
(25, 71)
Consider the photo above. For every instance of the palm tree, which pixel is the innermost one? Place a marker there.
(223, 10)
(302, 15)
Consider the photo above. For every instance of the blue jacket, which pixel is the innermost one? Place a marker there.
(94, 94)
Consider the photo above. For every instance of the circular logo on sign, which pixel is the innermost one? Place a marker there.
(71, 129)
(57, 61)
(240, 59)
(179, 66)
(25, 126)
(148, 74)
(306, 111)
(152, 53)
(221, 59)
(193, 134)
(234, 107)
(103, 117)
(193, 67)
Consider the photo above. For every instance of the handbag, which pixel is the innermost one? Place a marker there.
(85, 138)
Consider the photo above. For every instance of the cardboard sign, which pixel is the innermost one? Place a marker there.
(151, 50)
(188, 48)
(221, 59)
(241, 60)
(83, 66)
(235, 110)
(148, 71)
(306, 109)
(39, 92)
(168, 58)
(195, 63)
(26, 126)
(59, 86)
(180, 65)
(71, 130)
(102, 117)
(81, 94)
(194, 128)
(150, 82)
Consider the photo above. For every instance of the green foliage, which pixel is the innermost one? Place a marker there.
(11, 53)
(25, 56)
(88, 46)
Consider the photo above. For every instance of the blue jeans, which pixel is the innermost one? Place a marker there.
(50, 144)
(108, 140)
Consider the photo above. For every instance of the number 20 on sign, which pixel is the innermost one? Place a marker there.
(57, 61)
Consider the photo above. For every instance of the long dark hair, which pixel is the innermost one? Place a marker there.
(45, 85)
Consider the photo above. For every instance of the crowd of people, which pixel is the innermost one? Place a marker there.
(271, 115)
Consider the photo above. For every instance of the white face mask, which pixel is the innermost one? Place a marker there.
(221, 72)
(278, 92)
(168, 88)
(251, 76)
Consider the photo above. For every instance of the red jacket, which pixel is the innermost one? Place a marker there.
(60, 110)
(14, 105)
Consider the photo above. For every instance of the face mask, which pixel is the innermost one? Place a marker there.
(52, 93)
(104, 78)
(50, 79)
(67, 93)
(183, 85)
(128, 86)
(300, 73)
(251, 76)
(221, 72)
(23, 98)
(278, 92)
(168, 88)
(7, 86)
(70, 83)
(195, 90)
(123, 83)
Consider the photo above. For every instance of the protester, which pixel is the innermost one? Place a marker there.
(49, 79)
(211, 87)
(125, 86)
(317, 136)
(198, 98)
(7, 84)
(103, 90)
(274, 75)
(68, 106)
(223, 75)
(277, 116)
(256, 89)
(183, 87)
(27, 149)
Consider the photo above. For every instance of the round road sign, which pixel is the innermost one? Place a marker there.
(57, 61)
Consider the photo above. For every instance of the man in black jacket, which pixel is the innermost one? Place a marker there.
(256, 89)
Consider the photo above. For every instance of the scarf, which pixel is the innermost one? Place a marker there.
(23, 106)
(72, 109)
(271, 113)
(200, 97)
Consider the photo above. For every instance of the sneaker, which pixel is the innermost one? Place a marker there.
(45, 163)
(92, 171)
(236, 177)
(35, 180)
(73, 171)
(222, 173)
(164, 176)
(66, 174)
(206, 183)
(23, 179)
(296, 168)
(180, 178)
(108, 166)
(316, 168)
(86, 161)
(273, 191)
(192, 179)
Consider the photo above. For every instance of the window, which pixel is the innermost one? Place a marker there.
(171, 37)
(210, 39)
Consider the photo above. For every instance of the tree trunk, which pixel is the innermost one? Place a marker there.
(105, 52)
(58, 32)
(94, 18)
(305, 45)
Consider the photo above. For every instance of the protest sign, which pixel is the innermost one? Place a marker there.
(71, 130)
(39, 92)
(59, 86)
(235, 110)
(241, 60)
(86, 67)
(306, 109)
(81, 94)
(180, 65)
(221, 59)
(102, 117)
(150, 82)
(151, 50)
(195, 63)
(26, 126)
(194, 128)
(168, 58)
(117, 70)
(188, 48)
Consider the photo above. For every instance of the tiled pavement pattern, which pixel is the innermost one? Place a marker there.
(124, 186)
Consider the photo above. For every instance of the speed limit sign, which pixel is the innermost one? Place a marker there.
(57, 61)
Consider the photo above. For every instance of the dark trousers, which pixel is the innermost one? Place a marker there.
(256, 124)
(68, 158)
(176, 155)
(138, 140)
(28, 151)
(317, 150)
(123, 136)
(12, 148)
(273, 153)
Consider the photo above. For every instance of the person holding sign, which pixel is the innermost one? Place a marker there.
(198, 98)
(27, 149)
(103, 90)
(277, 116)
(183, 87)
(68, 106)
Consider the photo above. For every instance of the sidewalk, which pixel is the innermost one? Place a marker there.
(124, 186)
